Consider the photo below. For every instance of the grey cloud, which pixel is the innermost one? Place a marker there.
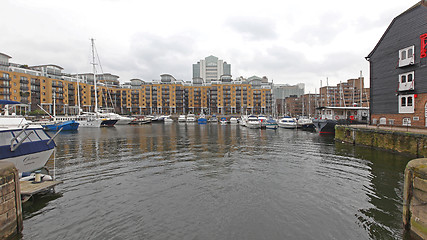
(321, 31)
(253, 28)
(280, 62)
(152, 55)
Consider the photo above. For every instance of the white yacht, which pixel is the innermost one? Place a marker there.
(253, 122)
(167, 119)
(191, 117)
(234, 121)
(27, 146)
(287, 122)
(182, 118)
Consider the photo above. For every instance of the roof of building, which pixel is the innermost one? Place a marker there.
(46, 65)
(420, 3)
(5, 55)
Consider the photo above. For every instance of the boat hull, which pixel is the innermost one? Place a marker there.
(271, 126)
(253, 125)
(66, 126)
(30, 162)
(202, 121)
(90, 123)
(108, 122)
(124, 121)
(287, 125)
(325, 126)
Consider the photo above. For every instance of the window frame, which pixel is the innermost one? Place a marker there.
(407, 60)
(409, 83)
(406, 103)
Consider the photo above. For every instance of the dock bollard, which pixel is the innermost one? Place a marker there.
(415, 197)
(38, 178)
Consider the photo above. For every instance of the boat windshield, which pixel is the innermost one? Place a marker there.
(5, 138)
(42, 134)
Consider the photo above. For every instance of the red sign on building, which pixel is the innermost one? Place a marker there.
(423, 45)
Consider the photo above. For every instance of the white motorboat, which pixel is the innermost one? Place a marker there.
(271, 124)
(253, 122)
(27, 146)
(191, 117)
(167, 119)
(305, 123)
(182, 118)
(263, 120)
(213, 119)
(223, 121)
(243, 120)
(287, 122)
(234, 121)
(121, 120)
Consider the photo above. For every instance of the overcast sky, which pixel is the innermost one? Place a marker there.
(287, 41)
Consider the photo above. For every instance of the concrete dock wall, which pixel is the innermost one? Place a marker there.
(415, 198)
(10, 201)
(391, 140)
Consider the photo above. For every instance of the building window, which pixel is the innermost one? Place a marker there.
(406, 103)
(406, 81)
(406, 121)
(406, 56)
(409, 102)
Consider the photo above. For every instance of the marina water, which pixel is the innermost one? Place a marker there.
(189, 181)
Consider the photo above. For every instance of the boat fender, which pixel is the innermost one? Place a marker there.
(47, 178)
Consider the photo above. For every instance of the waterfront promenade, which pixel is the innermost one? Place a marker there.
(399, 139)
(413, 130)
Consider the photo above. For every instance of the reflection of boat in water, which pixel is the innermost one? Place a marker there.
(287, 122)
(27, 146)
(253, 122)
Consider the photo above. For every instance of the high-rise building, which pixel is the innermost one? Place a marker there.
(211, 69)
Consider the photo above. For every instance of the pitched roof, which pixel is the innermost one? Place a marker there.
(420, 3)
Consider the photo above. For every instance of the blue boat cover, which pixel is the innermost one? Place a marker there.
(4, 102)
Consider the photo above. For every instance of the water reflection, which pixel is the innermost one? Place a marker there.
(383, 192)
(211, 181)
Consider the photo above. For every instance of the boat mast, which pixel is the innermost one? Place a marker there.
(94, 74)
(54, 106)
(78, 94)
(361, 88)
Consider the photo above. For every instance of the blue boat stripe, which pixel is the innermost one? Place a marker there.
(25, 149)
